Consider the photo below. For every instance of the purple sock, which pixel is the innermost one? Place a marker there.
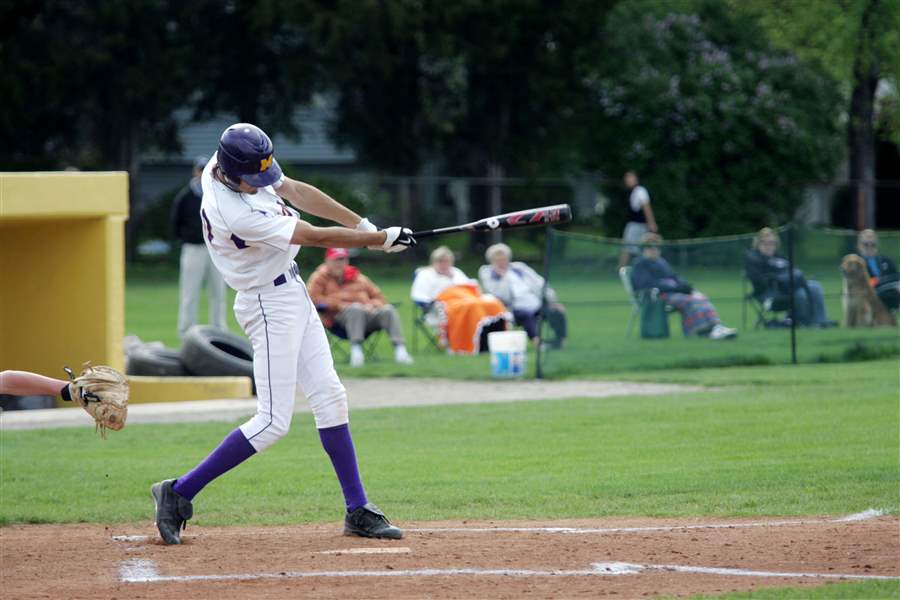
(233, 450)
(339, 446)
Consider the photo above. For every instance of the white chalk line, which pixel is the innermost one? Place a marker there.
(854, 518)
(387, 550)
(619, 568)
(145, 571)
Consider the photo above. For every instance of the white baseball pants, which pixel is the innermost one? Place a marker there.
(290, 355)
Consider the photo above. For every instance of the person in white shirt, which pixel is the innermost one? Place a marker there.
(522, 290)
(253, 235)
(455, 305)
(432, 280)
(640, 219)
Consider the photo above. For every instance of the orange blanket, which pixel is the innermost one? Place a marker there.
(462, 313)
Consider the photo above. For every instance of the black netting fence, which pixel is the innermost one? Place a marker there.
(616, 326)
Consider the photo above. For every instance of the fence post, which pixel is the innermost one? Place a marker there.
(548, 250)
(792, 294)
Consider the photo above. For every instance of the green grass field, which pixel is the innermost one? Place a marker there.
(813, 441)
(598, 313)
(772, 439)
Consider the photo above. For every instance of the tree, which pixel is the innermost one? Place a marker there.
(477, 88)
(858, 42)
(723, 127)
(93, 85)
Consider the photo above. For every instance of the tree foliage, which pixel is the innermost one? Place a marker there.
(474, 83)
(724, 128)
(858, 41)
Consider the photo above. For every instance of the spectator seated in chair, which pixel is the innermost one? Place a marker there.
(456, 306)
(652, 272)
(770, 276)
(881, 270)
(521, 289)
(349, 298)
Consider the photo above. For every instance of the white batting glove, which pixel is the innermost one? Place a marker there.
(398, 239)
(367, 226)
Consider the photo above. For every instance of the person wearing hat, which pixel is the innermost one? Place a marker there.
(349, 298)
(195, 263)
(698, 315)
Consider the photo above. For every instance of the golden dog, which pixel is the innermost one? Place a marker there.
(862, 308)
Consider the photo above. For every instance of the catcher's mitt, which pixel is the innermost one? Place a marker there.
(103, 393)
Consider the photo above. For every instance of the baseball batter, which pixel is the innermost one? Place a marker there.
(253, 236)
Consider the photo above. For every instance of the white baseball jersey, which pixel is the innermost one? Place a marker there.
(248, 235)
(249, 240)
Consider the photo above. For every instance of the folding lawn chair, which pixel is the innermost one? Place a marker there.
(339, 341)
(420, 325)
(636, 298)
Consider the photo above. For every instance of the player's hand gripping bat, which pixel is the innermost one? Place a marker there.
(545, 215)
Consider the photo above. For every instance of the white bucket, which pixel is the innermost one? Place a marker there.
(508, 354)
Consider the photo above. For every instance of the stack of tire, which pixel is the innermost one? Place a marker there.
(205, 351)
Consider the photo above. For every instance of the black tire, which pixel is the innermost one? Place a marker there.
(206, 350)
(155, 362)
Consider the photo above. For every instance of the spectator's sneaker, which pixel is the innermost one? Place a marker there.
(357, 356)
(401, 355)
(720, 332)
(369, 521)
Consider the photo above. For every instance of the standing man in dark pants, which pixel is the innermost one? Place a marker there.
(196, 266)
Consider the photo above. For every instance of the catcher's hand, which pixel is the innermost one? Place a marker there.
(103, 393)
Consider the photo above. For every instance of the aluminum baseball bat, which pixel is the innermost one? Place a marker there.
(544, 215)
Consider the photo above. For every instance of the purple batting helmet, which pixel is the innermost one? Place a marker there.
(246, 153)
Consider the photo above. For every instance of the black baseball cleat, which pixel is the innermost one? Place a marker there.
(172, 511)
(368, 521)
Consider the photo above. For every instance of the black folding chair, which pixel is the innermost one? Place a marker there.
(770, 311)
(420, 326)
(339, 341)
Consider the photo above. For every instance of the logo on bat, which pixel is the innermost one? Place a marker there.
(265, 163)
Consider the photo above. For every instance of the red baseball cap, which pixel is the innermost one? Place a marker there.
(333, 253)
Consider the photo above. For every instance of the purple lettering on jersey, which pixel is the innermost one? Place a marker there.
(241, 244)
(208, 226)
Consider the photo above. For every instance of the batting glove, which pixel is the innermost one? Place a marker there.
(398, 239)
(367, 226)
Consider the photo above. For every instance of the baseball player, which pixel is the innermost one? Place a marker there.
(253, 236)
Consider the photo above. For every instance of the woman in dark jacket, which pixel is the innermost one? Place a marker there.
(770, 275)
(883, 275)
(698, 315)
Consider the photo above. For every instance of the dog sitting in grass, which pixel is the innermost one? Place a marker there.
(862, 307)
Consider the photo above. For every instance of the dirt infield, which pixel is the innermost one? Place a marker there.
(621, 558)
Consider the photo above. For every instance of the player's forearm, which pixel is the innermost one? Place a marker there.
(314, 201)
(22, 383)
(335, 237)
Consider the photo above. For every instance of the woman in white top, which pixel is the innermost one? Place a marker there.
(455, 306)
(521, 289)
(431, 281)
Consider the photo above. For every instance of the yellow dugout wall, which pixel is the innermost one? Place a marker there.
(62, 267)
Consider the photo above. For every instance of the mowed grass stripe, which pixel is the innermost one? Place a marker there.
(824, 446)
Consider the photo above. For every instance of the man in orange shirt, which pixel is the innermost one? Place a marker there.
(349, 298)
